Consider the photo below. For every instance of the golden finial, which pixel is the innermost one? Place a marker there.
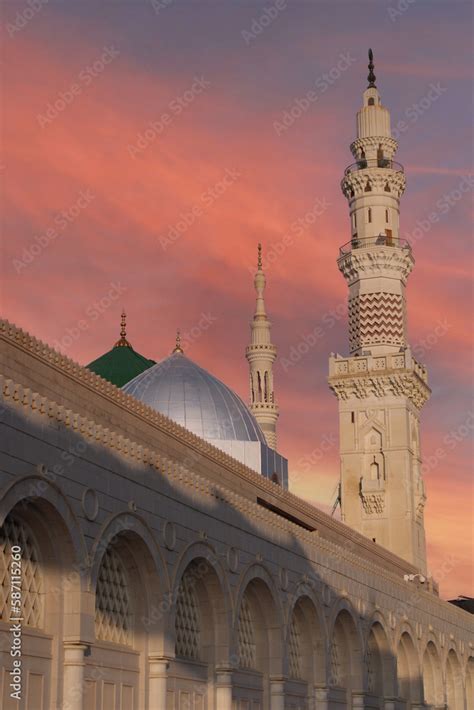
(123, 325)
(259, 258)
(123, 342)
(177, 347)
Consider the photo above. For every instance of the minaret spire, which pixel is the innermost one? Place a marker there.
(371, 78)
(123, 342)
(380, 386)
(178, 347)
(261, 354)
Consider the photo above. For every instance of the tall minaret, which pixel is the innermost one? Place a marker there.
(380, 386)
(261, 355)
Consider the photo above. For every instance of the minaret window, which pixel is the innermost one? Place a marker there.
(267, 388)
(368, 187)
(259, 379)
(374, 470)
(386, 216)
(371, 101)
(369, 214)
(387, 187)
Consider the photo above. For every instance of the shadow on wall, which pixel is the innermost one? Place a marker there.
(150, 591)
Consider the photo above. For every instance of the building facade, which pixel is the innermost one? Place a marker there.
(144, 567)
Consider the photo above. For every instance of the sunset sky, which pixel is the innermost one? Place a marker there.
(146, 152)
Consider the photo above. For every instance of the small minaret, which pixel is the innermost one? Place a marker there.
(261, 355)
(381, 388)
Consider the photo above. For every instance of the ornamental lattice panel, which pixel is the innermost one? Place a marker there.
(247, 648)
(336, 670)
(112, 601)
(294, 659)
(16, 533)
(376, 318)
(187, 622)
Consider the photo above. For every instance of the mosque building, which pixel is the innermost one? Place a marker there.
(152, 556)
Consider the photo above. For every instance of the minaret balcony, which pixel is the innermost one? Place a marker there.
(369, 163)
(381, 240)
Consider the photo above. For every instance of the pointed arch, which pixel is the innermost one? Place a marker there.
(259, 628)
(130, 546)
(433, 690)
(307, 620)
(454, 682)
(408, 667)
(200, 587)
(346, 644)
(381, 662)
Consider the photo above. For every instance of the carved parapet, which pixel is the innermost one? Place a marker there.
(376, 260)
(379, 180)
(393, 374)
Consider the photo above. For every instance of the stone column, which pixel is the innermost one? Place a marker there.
(358, 700)
(73, 679)
(158, 675)
(224, 688)
(277, 693)
(321, 697)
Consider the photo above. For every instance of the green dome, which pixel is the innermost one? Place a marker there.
(122, 363)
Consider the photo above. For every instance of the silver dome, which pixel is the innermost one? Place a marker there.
(192, 397)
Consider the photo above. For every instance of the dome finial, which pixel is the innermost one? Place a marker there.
(371, 78)
(123, 342)
(177, 347)
(259, 257)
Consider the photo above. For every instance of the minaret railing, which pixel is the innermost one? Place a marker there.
(367, 163)
(382, 240)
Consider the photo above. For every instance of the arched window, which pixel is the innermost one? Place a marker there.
(374, 470)
(259, 381)
(386, 216)
(247, 646)
(387, 187)
(368, 187)
(369, 214)
(19, 557)
(267, 387)
(371, 101)
(112, 600)
(187, 622)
